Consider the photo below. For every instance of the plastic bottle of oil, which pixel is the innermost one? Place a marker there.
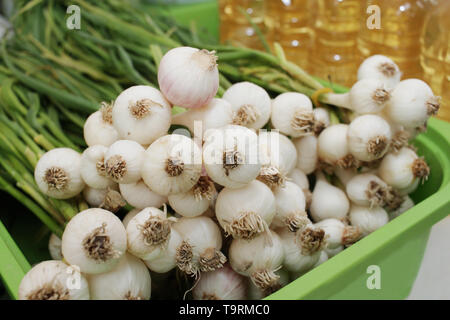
(234, 26)
(398, 37)
(288, 22)
(336, 27)
(435, 55)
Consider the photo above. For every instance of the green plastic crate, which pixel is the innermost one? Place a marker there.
(397, 248)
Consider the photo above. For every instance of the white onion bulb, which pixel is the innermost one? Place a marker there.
(307, 153)
(99, 129)
(255, 293)
(148, 233)
(337, 235)
(58, 173)
(200, 248)
(231, 156)
(130, 215)
(53, 280)
(302, 249)
(368, 190)
(382, 68)
(259, 259)
(292, 114)
(221, 284)
(216, 114)
(366, 219)
(369, 137)
(403, 169)
(141, 114)
(290, 207)
(54, 247)
(365, 96)
(129, 280)
(123, 161)
(93, 170)
(188, 77)
(140, 196)
(94, 240)
(412, 103)
(195, 201)
(246, 212)
(278, 158)
(333, 147)
(167, 257)
(321, 120)
(328, 201)
(250, 103)
(109, 199)
(172, 164)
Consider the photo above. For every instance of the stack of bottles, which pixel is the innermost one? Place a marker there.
(330, 38)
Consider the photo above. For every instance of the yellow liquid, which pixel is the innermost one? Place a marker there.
(288, 22)
(336, 27)
(235, 28)
(398, 37)
(435, 55)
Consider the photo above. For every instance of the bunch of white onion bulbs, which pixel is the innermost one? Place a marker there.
(283, 200)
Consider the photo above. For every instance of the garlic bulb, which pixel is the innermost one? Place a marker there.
(302, 249)
(54, 247)
(250, 103)
(109, 199)
(321, 120)
(130, 215)
(200, 248)
(129, 280)
(195, 201)
(328, 201)
(307, 153)
(365, 96)
(369, 137)
(412, 103)
(333, 147)
(231, 156)
(123, 161)
(278, 158)
(404, 206)
(290, 208)
(53, 280)
(323, 257)
(382, 68)
(402, 169)
(188, 77)
(337, 234)
(172, 164)
(167, 257)
(94, 240)
(148, 233)
(299, 178)
(99, 129)
(246, 212)
(345, 175)
(93, 170)
(141, 114)
(292, 114)
(216, 114)
(259, 259)
(58, 173)
(368, 190)
(140, 196)
(221, 284)
(255, 293)
(367, 220)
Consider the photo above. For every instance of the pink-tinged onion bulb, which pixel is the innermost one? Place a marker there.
(188, 77)
(221, 284)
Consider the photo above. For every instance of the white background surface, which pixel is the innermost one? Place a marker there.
(433, 280)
